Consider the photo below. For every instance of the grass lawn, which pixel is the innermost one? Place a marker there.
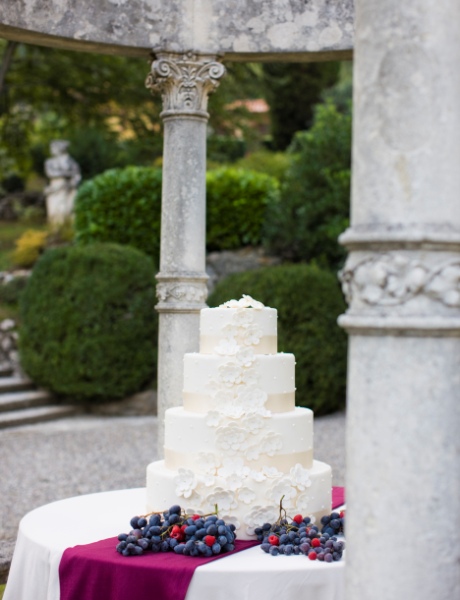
(2, 589)
(9, 233)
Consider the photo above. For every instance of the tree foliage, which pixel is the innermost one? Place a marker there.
(292, 91)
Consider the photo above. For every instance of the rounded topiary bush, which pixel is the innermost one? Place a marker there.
(308, 300)
(236, 203)
(88, 326)
(121, 206)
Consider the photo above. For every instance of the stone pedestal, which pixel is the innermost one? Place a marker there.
(64, 174)
(402, 281)
(184, 81)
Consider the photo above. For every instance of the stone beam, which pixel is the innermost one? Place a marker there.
(402, 282)
(184, 82)
(283, 30)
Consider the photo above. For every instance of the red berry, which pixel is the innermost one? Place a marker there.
(176, 529)
(274, 540)
(312, 555)
(342, 514)
(183, 527)
(209, 540)
(315, 543)
(196, 517)
(298, 519)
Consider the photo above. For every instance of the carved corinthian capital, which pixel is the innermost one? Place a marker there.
(184, 82)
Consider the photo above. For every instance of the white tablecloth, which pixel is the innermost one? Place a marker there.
(47, 531)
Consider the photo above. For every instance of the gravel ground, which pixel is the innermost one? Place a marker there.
(51, 461)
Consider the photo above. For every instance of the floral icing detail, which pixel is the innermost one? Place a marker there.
(243, 318)
(213, 418)
(231, 439)
(271, 443)
(250, 377)
(253, 423)
(233, 465)
(258, 516)
(225, 499)
(303, 502)
(252, 336)
(227, 347)
(231, 519)
(282, 489)
(245, 356)
(252, 398)
(207, 463)
(246, 495)
(186, 482)
(245, 302)
(300, 477)
(271, 472)
(230, 373)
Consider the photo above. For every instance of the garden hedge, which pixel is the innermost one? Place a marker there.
(308, 300)
(88, 326)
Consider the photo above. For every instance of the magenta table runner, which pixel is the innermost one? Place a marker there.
(97, 572)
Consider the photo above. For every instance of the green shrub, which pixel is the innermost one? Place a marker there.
(308, 300)
(314, 205)
(10, 291)
(275, 164)
(122, 206)
(237, 201)
(222, 148)
(88, 327)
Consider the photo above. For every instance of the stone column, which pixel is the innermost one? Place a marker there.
(184, 81)
(402, 281)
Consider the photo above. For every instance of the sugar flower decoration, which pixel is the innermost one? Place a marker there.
(225, 499)
(231, 439)
(245, 356)
(207, 463)
(243, 318)
(230, 373)
(227, 347)
(246, 495)
(282, 489)
(186, 482)
(258, 516)
(300, 477)
(245, 302)
(252, 336)
(271, 443)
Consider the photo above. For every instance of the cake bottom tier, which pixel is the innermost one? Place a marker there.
(240, 499)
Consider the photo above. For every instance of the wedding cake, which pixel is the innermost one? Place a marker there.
(239, 441)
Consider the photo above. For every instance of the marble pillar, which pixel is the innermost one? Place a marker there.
(184, 81)
(402, 282)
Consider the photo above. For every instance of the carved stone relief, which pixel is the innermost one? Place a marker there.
(394, 279)
(184, 82)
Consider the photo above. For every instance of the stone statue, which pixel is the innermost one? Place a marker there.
(64, 174)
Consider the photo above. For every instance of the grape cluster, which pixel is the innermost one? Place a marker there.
(334, 523)
(191, 535)
(299, 537)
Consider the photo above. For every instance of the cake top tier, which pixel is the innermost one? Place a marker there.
(236, 324)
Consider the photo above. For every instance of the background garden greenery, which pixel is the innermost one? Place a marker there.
(278, 179)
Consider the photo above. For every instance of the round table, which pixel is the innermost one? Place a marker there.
(47, 531)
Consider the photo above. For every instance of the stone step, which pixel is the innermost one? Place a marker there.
(39, 414)
(5, 371)
(15, 401)
(14, 384)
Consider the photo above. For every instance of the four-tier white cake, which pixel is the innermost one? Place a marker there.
(239, 441)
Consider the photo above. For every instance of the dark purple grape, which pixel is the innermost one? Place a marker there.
(179, 549)
(274, 550)
(328, 557)
(134, 522)
(122, 537)
(176, 509)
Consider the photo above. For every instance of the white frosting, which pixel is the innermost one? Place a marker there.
(188, 434)
(243, 501)
(239, 441)
(254, 327)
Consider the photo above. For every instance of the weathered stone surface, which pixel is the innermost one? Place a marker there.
(263, 29)
(402, 280)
